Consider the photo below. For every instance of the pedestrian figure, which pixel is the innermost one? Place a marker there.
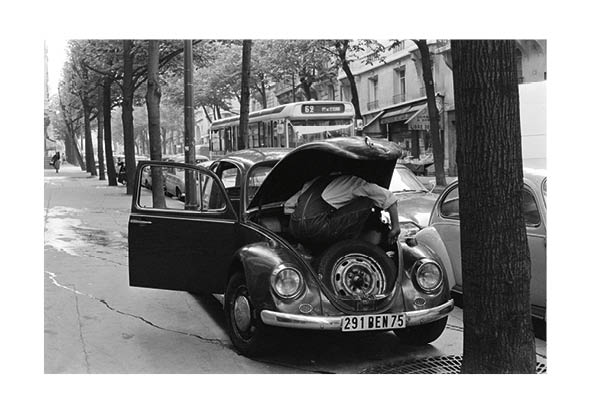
(56, 161)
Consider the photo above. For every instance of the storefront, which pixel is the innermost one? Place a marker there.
(406, 124)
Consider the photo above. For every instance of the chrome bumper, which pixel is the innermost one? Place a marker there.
(413, 318)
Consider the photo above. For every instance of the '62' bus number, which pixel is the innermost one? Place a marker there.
(373, 322)
(336, 108)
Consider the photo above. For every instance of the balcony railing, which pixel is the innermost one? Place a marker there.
(398, 98)
(374, 104)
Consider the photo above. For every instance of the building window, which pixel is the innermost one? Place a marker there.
(400, 85)
(372, 101)
(345, 93)
(330, 92)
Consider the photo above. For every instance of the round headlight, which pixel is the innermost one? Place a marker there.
(428, 276)
(287, 282)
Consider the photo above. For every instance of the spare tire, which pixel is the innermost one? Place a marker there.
(357, 269)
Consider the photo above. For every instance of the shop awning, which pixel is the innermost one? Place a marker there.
(419, 120)
(401, 114)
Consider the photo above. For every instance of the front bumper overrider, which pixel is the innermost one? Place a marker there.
(413, 318)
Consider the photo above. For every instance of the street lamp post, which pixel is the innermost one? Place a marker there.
(191, 186)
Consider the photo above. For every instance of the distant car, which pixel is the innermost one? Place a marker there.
(174, 178)
(235, 241)
(443, 234)
(415, 202)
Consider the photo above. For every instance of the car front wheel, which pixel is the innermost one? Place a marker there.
(424, 334)
(247, 332)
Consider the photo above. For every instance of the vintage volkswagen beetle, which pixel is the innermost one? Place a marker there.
(232, 239)
(443, 233)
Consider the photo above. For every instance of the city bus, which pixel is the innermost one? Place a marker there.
(285, 126)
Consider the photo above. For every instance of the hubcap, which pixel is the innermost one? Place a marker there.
(242, 313)
(358, 275)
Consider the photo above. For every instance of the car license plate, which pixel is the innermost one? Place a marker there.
(373, 322)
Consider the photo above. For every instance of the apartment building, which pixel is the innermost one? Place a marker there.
(392, 95)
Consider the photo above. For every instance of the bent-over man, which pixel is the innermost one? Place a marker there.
(335, 207)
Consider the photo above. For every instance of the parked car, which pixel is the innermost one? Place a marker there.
(174, 178)
(443, 234)
(232, 238)
(415, 202)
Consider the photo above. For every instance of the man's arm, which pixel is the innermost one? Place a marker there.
(386, 200)
(395, 230)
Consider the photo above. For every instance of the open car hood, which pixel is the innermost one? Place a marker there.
(372, 160)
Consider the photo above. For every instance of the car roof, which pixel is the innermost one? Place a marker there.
(249, 157)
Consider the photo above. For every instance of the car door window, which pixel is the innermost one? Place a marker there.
(152, 195)
(178, 188)
(229, 174)
(255, 179)
(212, 195)
(450, 205)
(531, 213)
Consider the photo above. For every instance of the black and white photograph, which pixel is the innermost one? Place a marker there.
(318, 211)
(283, 206)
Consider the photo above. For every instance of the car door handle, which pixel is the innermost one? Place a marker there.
(139, 221)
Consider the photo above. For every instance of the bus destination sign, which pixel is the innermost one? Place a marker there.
(323, 108)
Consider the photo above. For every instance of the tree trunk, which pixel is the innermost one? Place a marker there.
(206, 114)
(263, 93)
(498, 335)
(127, 114)
(77, 151)
(69, 150)
(306, 88)
(244, 95)
(438, 153)
(153, 95)
(90, 163)
(293, 88)
(111, 173)
(99, 139)
(354, 94)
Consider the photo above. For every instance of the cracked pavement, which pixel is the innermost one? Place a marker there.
(95, 323)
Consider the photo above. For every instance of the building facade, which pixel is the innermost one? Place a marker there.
(392, 95)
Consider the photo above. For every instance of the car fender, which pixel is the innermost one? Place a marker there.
(258, 262)
(429, 237)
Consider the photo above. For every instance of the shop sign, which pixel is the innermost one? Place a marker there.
(420, 122)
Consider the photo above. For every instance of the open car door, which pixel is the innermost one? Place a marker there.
(185, 241)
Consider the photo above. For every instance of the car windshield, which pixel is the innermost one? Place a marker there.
(255, 179)
(403, 180)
